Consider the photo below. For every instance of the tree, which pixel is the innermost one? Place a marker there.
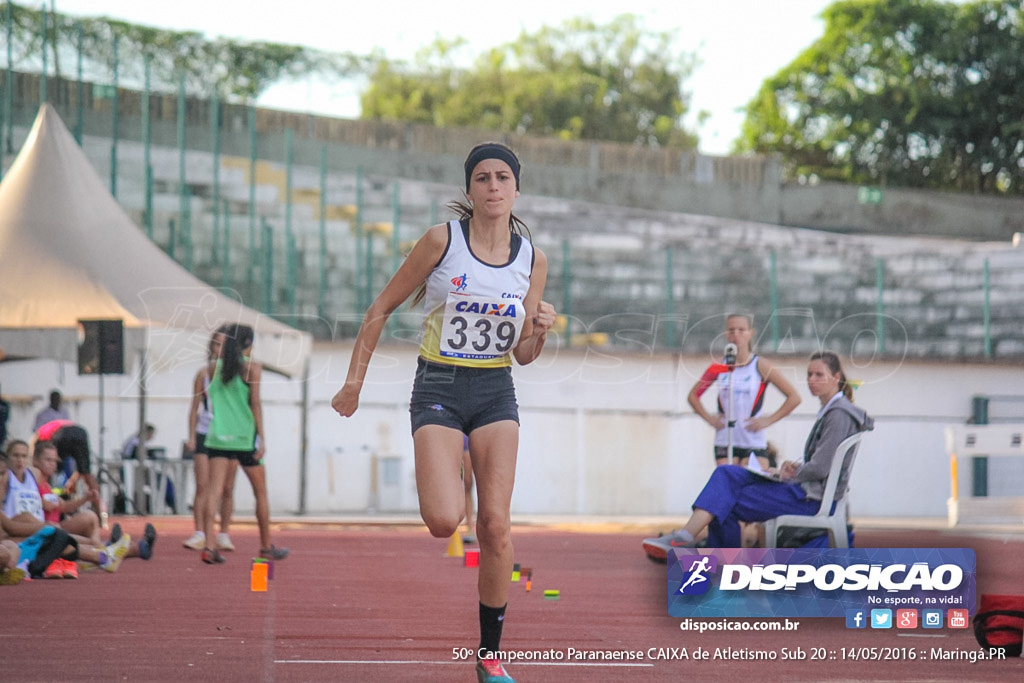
(915, 93)
(581, 81)
(235, 70)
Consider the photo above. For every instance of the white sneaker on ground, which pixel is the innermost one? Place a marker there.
(197, 541)
(224, 542)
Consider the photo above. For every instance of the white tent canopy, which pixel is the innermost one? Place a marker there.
(68, 252)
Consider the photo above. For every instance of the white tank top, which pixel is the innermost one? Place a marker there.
(23, 496)
(474, 309)
(748, 398)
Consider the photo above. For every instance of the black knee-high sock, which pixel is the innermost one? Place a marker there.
(491, 620)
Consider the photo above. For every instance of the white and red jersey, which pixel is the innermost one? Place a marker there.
(748, 389)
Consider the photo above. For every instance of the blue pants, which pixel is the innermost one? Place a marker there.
(169, 498)
(734, 494)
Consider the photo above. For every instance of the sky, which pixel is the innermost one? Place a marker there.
(740, 43)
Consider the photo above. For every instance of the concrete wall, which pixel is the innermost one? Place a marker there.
(602, 434)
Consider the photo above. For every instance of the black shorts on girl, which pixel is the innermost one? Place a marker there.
(186, 454)
(244, 458)
(72, 442)
(740, 453)
(460, 397)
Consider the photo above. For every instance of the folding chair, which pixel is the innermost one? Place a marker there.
(833, 522)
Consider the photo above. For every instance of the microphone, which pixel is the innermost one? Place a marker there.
(730, 354)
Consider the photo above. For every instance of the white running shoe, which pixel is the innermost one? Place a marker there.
(224, 542)
(196, 541)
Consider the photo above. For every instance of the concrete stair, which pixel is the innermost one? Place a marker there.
(932, 299)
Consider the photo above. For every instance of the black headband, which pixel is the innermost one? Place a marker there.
(491, 152)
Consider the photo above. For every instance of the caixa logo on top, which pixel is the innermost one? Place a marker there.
(795, 582)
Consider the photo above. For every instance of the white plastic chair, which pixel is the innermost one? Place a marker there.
(836, 522)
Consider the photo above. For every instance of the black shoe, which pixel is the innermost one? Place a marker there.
(115, 534)
(274, 553)
(212, 557)
(147, 542)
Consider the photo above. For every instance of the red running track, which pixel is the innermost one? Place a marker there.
(382, 603)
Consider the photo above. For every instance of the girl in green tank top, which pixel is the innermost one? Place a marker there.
(236, 433)
(233, 427)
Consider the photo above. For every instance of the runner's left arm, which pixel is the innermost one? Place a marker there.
(540, 314)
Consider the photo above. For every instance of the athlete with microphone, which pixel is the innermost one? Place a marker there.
(742, 378)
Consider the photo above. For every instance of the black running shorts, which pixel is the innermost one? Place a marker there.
(460, 397)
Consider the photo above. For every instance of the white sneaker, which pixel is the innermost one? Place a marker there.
(196, 541)
(224, 542)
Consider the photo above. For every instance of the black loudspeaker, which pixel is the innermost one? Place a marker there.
(100, 347)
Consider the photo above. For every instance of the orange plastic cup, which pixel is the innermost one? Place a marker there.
(258, 577)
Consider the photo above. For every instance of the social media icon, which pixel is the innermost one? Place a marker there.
(957, 618)
(881, 618)
(906, 618)
(856, 618)
(931, 618)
